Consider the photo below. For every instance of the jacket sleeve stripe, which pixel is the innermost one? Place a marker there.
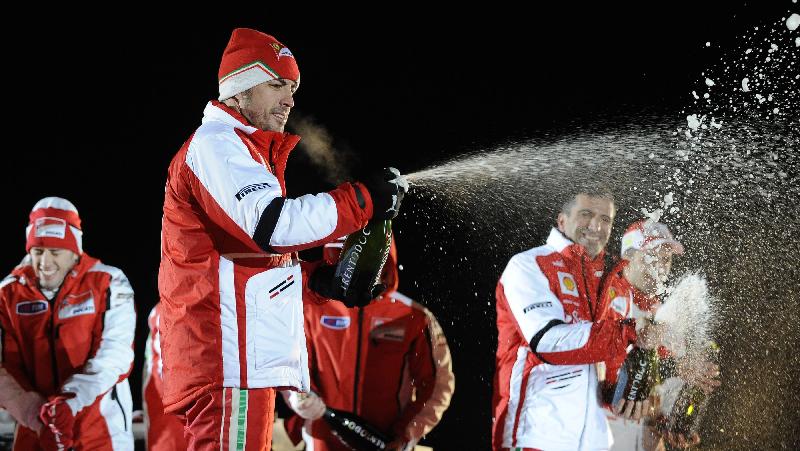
(564, 337)
(305, 219)
(538, 337)
(267, 223)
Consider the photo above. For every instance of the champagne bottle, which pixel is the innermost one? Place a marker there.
(638, 376)
(354, 432)
(360, 264)
(691, 403)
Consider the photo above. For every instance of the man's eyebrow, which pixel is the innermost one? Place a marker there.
(285, 82)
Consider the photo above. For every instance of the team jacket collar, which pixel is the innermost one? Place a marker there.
(25, 269)
(277, 144)
(216, 111)
(558, 241)
(566, 247)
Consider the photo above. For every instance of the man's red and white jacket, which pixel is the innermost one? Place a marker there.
(549, 337)
(624, 301)
(387, 362)
(80, 342)
(229, 282)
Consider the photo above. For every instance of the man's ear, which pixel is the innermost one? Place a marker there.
(562, 218)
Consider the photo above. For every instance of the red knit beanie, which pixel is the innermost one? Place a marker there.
(251, 58)
(54, 222)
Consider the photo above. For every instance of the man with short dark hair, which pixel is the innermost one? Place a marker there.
(550, 334)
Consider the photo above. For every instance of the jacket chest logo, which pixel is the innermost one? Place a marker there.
(620, 305)
(335, 322)
(281, 287)
(567, 283)
(387, 329)
(29, 308)
(77, 305)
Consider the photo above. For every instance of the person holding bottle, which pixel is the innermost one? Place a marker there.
(229, 279)
(67, 325)
(647, 251)
(551, 333)
(386, 362)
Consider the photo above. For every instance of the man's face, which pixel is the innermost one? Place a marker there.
(268, 104)
(51, 265)
(649, 269)
(589, 222)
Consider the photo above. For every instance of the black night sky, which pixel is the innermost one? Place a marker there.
(96, 108)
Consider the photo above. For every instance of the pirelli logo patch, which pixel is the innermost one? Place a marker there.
(536, 305)
(29, 308)
(251, 189)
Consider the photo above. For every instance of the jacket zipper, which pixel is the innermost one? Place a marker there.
(358, 360)
(53, 337)
(119, 403)
(586, 289)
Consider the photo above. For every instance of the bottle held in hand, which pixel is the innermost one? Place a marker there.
(638, 376)
(354, 432)
(364, 253)
(691, 403)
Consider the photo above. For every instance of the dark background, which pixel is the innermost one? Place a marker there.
(96, 108)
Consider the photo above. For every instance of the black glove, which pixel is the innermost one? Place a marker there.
(387, 188)
(323, 282)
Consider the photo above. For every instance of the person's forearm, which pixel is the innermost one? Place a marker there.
(23, 405)
(582, 343)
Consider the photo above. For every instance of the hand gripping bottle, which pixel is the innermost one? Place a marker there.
(691, 403)
(638, 376)
(357, 275)
(354, 432)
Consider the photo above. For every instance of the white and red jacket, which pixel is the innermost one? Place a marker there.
(230, 287)
(81, 341)
(549, 335)
(623, 301)
(387, 362)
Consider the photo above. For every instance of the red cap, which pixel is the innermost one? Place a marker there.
(54, 222)
(251, 58)
(647, 234)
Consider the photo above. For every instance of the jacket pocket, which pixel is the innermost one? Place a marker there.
(278, 340)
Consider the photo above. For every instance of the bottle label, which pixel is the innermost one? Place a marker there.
(363, 433)
(351, 259)
(639, 375)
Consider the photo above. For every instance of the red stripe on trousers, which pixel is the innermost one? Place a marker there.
(239, 283)
(526, 373)
(227, 393)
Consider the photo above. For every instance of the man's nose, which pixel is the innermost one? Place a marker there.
(288, 101)
(45, 260)
(595, 223)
